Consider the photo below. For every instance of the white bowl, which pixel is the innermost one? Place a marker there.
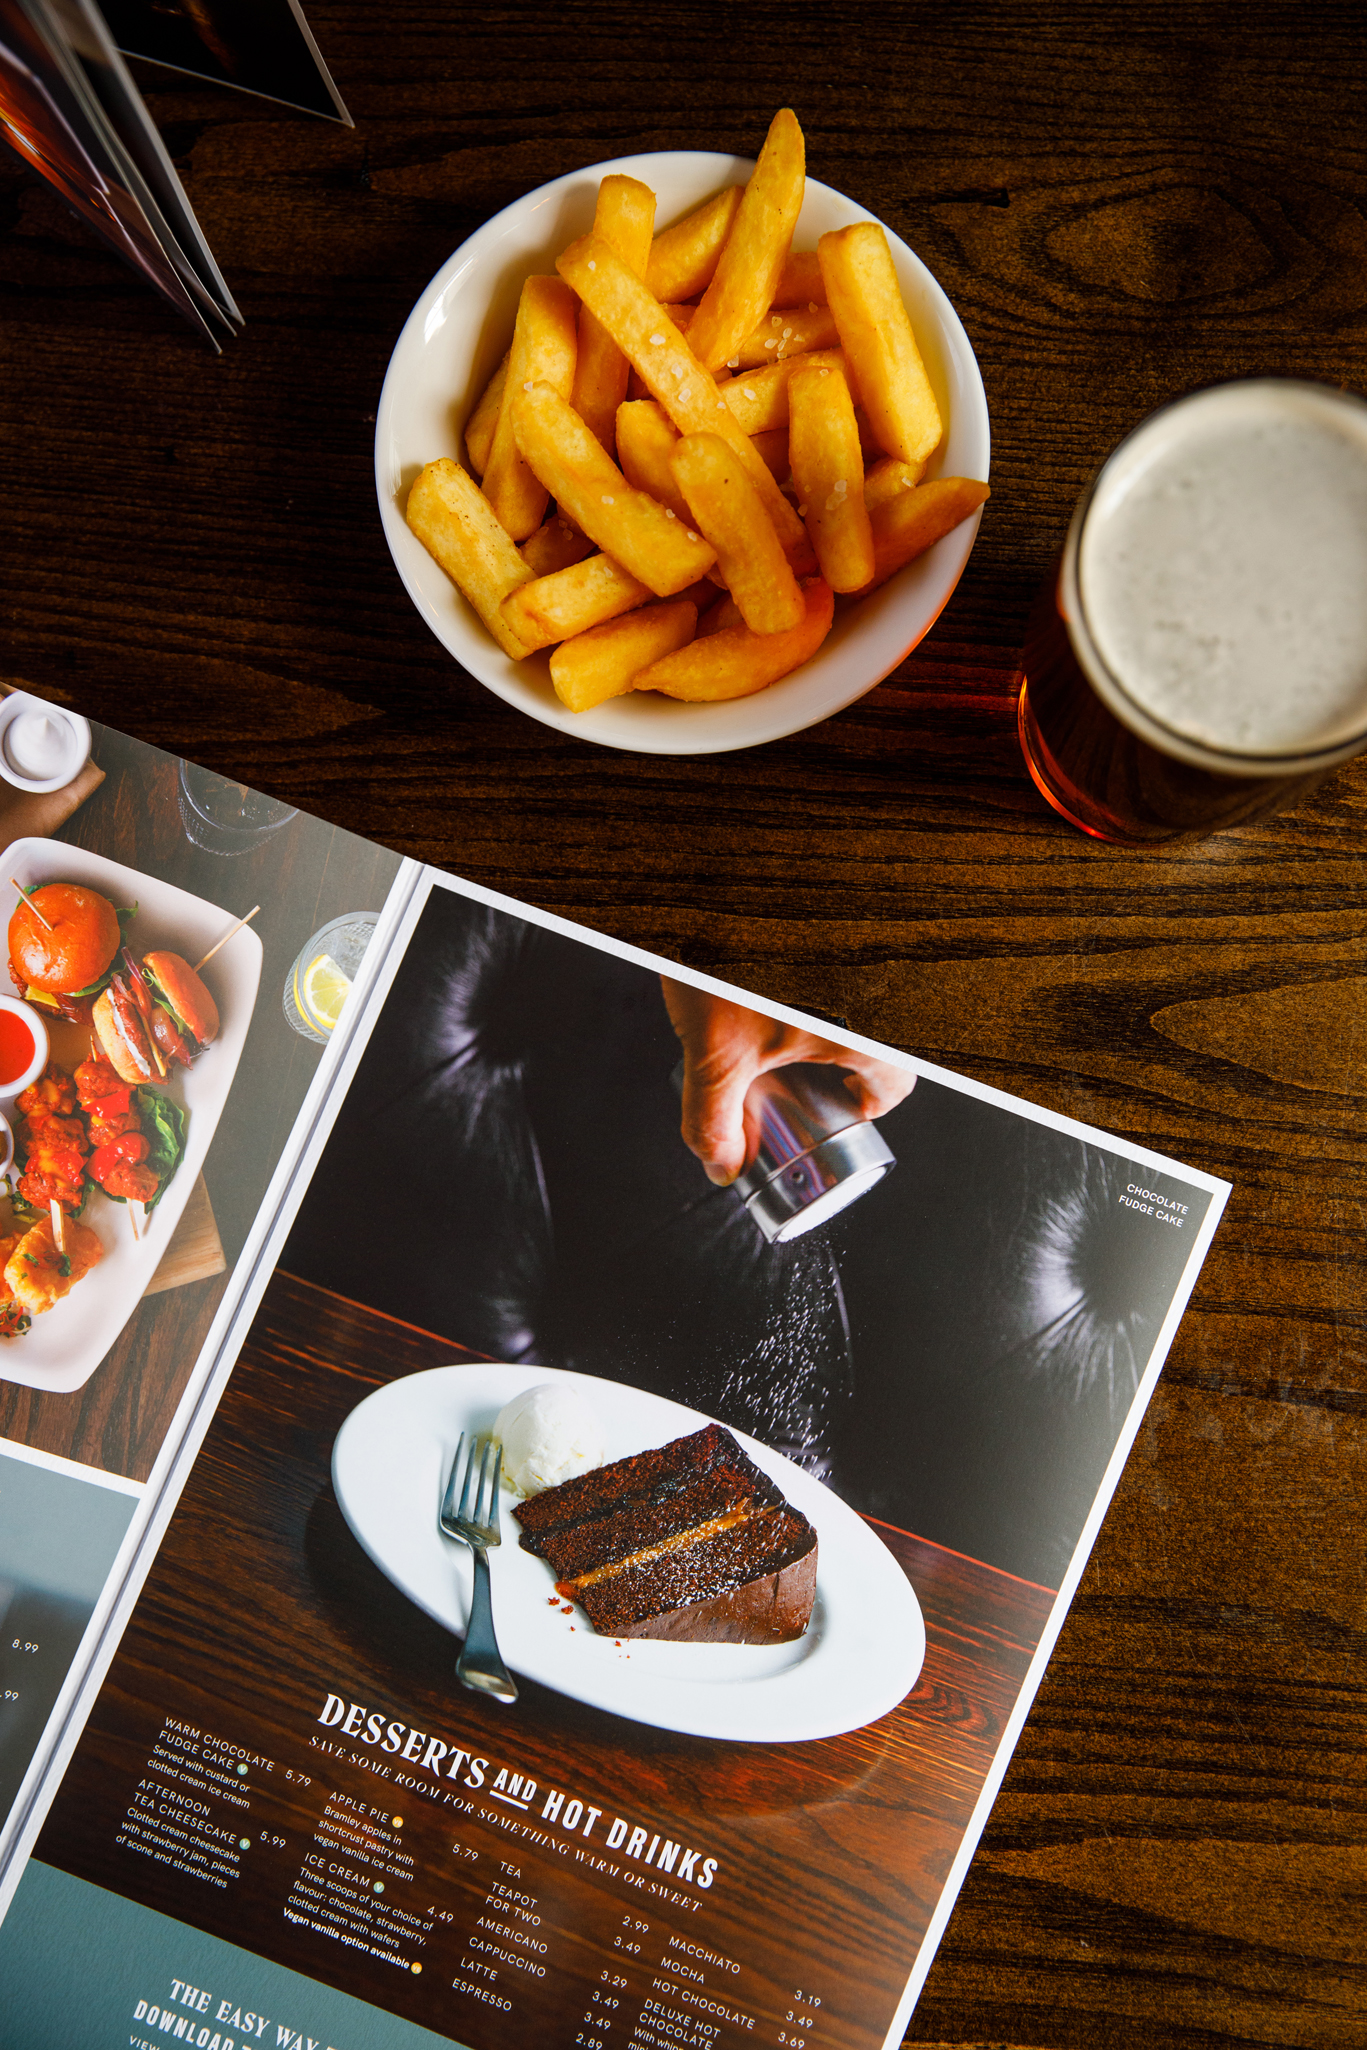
(37, 1025)
(76, 736)
(450, 346)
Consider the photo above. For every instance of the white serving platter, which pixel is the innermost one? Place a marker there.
(63, 1347)
(860, 1657)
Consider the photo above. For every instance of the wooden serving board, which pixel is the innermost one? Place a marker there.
(195, 1250)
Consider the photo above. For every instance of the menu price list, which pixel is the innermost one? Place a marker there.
(39, 1635)
(417, 1901)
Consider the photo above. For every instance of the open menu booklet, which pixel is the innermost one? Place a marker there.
(805, 1513)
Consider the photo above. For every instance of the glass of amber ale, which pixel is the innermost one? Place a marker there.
(1199, 657)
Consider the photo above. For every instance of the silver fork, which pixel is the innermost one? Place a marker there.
(474, 1521)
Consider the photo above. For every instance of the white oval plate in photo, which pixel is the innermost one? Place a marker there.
(862, 1651)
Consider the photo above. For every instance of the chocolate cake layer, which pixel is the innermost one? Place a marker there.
(726, 1488)
(771, 1610)
(623, 1481)
(690, 1541)
(717, 1571)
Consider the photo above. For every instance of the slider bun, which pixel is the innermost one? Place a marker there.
(185, 994)
(83, 939)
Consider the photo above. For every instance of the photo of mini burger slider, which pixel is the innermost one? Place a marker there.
(94, 1119)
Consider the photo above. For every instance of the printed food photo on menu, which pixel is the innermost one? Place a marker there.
(654, 1461)
(151, 1071)
(135, 949)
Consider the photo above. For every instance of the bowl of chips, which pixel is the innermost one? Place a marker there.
(443, 380)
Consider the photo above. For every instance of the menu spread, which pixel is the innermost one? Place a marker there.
(403, 1330)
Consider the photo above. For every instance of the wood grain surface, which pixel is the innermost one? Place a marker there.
(859, 1829)
(1122, 203)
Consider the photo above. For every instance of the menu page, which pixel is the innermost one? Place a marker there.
(789, 1522)
(161, 1180)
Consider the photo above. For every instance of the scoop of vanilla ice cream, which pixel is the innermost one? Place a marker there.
(549, 1434)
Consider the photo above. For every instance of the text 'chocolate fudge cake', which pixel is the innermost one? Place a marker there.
(687, 1541)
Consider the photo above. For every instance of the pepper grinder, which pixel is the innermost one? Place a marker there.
(815, 1153)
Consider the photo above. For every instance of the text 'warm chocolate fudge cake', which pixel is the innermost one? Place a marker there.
(689, 1541)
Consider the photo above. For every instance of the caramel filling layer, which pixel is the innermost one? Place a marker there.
(712, 1528)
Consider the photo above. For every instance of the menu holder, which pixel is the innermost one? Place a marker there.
(70, 109)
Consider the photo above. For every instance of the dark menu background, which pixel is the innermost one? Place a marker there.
(207, 1787)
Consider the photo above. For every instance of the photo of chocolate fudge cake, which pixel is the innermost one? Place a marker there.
(688, 1541)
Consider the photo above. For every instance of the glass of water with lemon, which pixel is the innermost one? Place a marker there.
(324, 970)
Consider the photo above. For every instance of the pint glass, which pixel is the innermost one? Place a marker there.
(1199, 656)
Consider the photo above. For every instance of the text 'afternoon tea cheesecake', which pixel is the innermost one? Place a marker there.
(688, 1541)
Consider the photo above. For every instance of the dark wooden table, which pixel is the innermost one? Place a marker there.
(1122, 203)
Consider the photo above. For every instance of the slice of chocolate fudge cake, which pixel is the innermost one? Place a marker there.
(687, 1541)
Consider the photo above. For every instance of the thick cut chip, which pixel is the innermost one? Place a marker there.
(733, 662)
(750, 557)
(624, 217)
(795, 332)
(629, 525)
(570, 601)
(671, 372)
(555, 546)
(604, 662)
(800, 282)
(869, 444)
(759, 398)
(889, 479)
(885, 368)
(646, 439)
(772, 444)
(905, 526)
(684, 256)
(703, 593)
(456, 525)
(828, 471)
(727, 613)
(479, 428)
(543, 351)
(752, 260)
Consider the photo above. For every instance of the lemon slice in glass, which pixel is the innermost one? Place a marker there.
(320, 991)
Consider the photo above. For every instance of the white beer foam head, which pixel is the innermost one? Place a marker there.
(1223, 568)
